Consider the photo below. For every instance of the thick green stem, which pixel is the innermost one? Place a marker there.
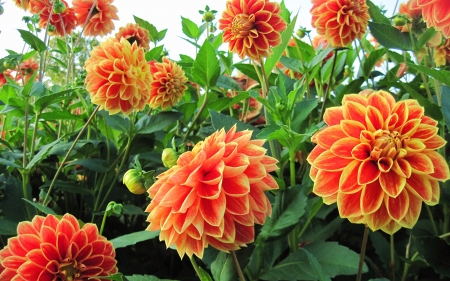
(362, 254)
(33, 138)
(407, 266)
(195, 266)
(68, 154)
(237, 266)
(102, 227)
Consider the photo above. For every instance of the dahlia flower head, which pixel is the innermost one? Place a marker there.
(64, 22)
(100, 21)
(435, 13)
(168, 84)
(48, 248)
(133, 32)
(377, 160)
(214, 195)
(340, 21)
(118, 76)
(252, 27)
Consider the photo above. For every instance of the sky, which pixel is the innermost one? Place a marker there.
(162, 14)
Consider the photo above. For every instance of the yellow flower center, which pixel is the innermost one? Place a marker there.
(386, 148)
(242, 24)
(68, 271)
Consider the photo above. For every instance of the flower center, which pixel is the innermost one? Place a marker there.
(242, 24)
(68, 271)
(386, 144)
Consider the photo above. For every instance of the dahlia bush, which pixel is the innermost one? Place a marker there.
(284, 147)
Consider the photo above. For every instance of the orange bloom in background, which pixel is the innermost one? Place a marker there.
(49, 248)
(377, 160)
(214, 195)
(118, 77)
(410, 10)
(442, 53)
(64, 22)
(134, 33)
(252, 27)
(340, 21)
(436, 13)
(252, 106)
(168, 84)
(100, 20)
(3, 75)
(23, 4)
(27, 69)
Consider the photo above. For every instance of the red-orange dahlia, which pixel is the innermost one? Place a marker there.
(377, 160)
(3, 75)
(133, 32)
(436, 13)
(48, 249)
(252, 27)
(214, 195)
(100, 20)
(27, 69)
(168, 84)
(341, 21)
(24, 4)
(118, 77)
(64, 22)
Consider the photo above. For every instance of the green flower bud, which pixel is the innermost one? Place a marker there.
(59, 7)
(169, 157)
(51, 28)
(9, 64)
(209, 16)
(400, 21)
(134, 181)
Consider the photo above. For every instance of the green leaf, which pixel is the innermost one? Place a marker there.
(62, 47)
(206, 68)
(43, 102)
(8, 227)
(97, 165)
(445, 100)
(441, 75)
(383, 250)
(223, 268)
(390, 37)
(152, 123)
(435, 251)
(316, 266)
(12, 205)
(32, 40)
(228, 83)
(133, 238)
(44, 209)
(114, 277)
(302, 111)
(289, 207)
(431, 109)
(190, 29)
(60, 115)
(73, 187)
(117, 121)
(9, 163)
(271, 61)
(426, 36)
(372, 60)
(154, 53)
(41, 154)
(136, 277)
(376, 15)
(204, 276)
(220, 121)
(152, 31)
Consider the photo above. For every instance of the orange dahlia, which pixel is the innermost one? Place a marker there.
(118, 77)
(251, 106)
(436, 13)
(3, 75)
(168, 84)
(27, 69)
(100, 20)
(414, 15)
(64, 22)
(377, 160)
(133, 32)
(24, 4)
(442, 53)
(49, 248)
(251, 27)
(214, 195)
(341, 21)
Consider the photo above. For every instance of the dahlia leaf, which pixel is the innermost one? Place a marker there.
(44, 209)
(220, 121)
(60, 115)
(133, 238)
(372, 60)
(45, 101)
(426, 36)
(190, 29)
(32, 40)
(376, 15)
(301, 113)
(441, 75)
(154, 54)
(223, 268)
(289, 207)
(152, 31)
(114, 277)
(41, 154)
(8, 227)
(390, 37)
(382, 248)
(446, 104)
(94, 164)
(136, 277)
(12, 206)
(228, 83)
(159, 122)
(434, 249)
(279, 50)
(249, 70)
(116, 121)
(315, 265)
(206, 68)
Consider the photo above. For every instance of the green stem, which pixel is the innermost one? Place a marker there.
(25, 179)
(444, 235)
(363, 253)
(238, 267)
(202, 107)
(430, 215)
(67, 155)
(33, 138)
(329, 86)
(292, 165)
(408, 265)
(305, 226)
(102, 227)
(392, 265)
(195, 266)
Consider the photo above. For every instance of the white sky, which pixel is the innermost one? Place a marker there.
(162, 14)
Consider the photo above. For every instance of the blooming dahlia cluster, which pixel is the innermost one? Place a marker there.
(48, 249)
(252, 27)
(100, 21)
(168, 84)
(436, 13)
(118, 76)
(377, 160)
(340, 21)
(64, 22)
(214, 195)
(134, 33)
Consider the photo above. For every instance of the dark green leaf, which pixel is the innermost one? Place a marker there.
(441, 75)
(117, 121)
(228, 83)
(445, 99)
(43, 102)
(302, 111)
(190, 29)
(223, 268)
(136, 277)
(152, 31)
(435, 251)
(133, 238)
(372, 60)
(41, 154)
(383, 250)
(32, 40)
(44, 209)
(425, 37)
(59, 115)
(97, 165)
(376, 15)
(390, 37)
(220, 121)
(114, 277)
(206, 68)
(315, 266)
(154, 53)
(8, 227)
(152, 123)
(12, 205)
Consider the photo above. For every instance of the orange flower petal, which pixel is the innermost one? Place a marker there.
(368, 172)
(392, 183)
(349, 205)
(326, 183)
(371, 198)
(398, 206)
(348, 182)
(420, 186)
(330, 162)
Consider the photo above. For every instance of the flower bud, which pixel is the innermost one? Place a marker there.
(301, 33)
(400, 21)
(169, 157)
(59, 7)
(401, 70)
(9, 64)
(208, 16)
(51, 28)
(134, 181)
